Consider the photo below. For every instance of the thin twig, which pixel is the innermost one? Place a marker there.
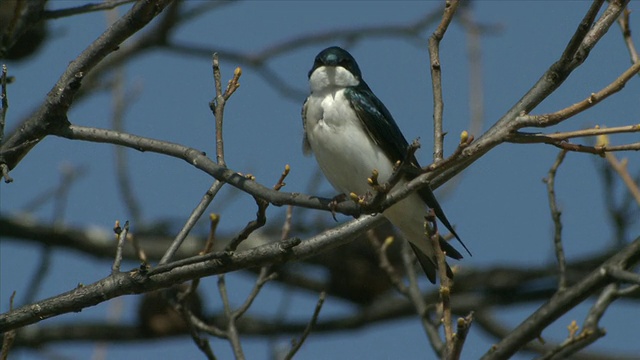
(297, 344)
(9, 336)
(591, 330)
(399, 170)
(122, 235)
(264, 277)
(218, 103)
(231, 332)
(253, 225)
(419, 303)
(625, 276)
(4, 101)
(286, 226)
(528, 138)
(623, 21)
(621, 168)
(261, 217)
(431, 231)
(201, 343)
(546, 120)
(436, 77)
(557, 222)
(214, 220)
(595, 131)
(39, 275)
(83, 9)
(195, 215)
(465, 140)
(385, 264)
(463, 326)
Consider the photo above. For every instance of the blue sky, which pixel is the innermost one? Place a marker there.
(499, 204)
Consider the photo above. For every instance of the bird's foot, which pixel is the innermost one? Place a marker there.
(334, 203)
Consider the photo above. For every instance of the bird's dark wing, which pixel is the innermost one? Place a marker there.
(379, 123)
(306, 147)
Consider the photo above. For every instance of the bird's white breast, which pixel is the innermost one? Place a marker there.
(342, 147)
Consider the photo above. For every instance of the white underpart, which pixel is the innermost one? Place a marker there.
(346, 154)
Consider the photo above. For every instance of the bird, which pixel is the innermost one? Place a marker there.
(352, 133)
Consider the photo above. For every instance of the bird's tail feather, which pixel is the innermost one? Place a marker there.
(429, 198)
(429, 265)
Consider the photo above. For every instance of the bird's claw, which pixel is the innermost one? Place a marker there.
(334, 203)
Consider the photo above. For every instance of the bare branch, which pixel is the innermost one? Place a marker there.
(557, 222)
(52, 112)
(4, 101)
(463, 326)
(450, 8)
(196, 214)
(83, 9)
(297, 344)
(530, 328)
(419, 303)
(231, 332)
(621, 168)
(8, 337)
(557, 117)
(121, 234)
(623, 21)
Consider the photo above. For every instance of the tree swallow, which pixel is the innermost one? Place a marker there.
(352, 133)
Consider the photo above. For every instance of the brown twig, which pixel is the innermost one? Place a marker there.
(214, 220)
(591, 330)
(399, 170)
(463, 326)
(385, 264)
(4, 101)
(436, 77)
(431, 230)
(183, 297)
(264, 277)
(595, 131)
(195, 215)
(280, 184)
(465, 140)
(286, 225)
(121, 234)
(297, 344)
(261, 217)
(621, 168)
(142, 256)
(231, 332)
(418, 301)
(557, 222)
(83, 9)
(546, 120)
(623, 21)
(218, 103)
(232, 316)
(52, 113)
(8, 337)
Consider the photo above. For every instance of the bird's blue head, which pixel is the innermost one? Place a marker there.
(336, 56)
